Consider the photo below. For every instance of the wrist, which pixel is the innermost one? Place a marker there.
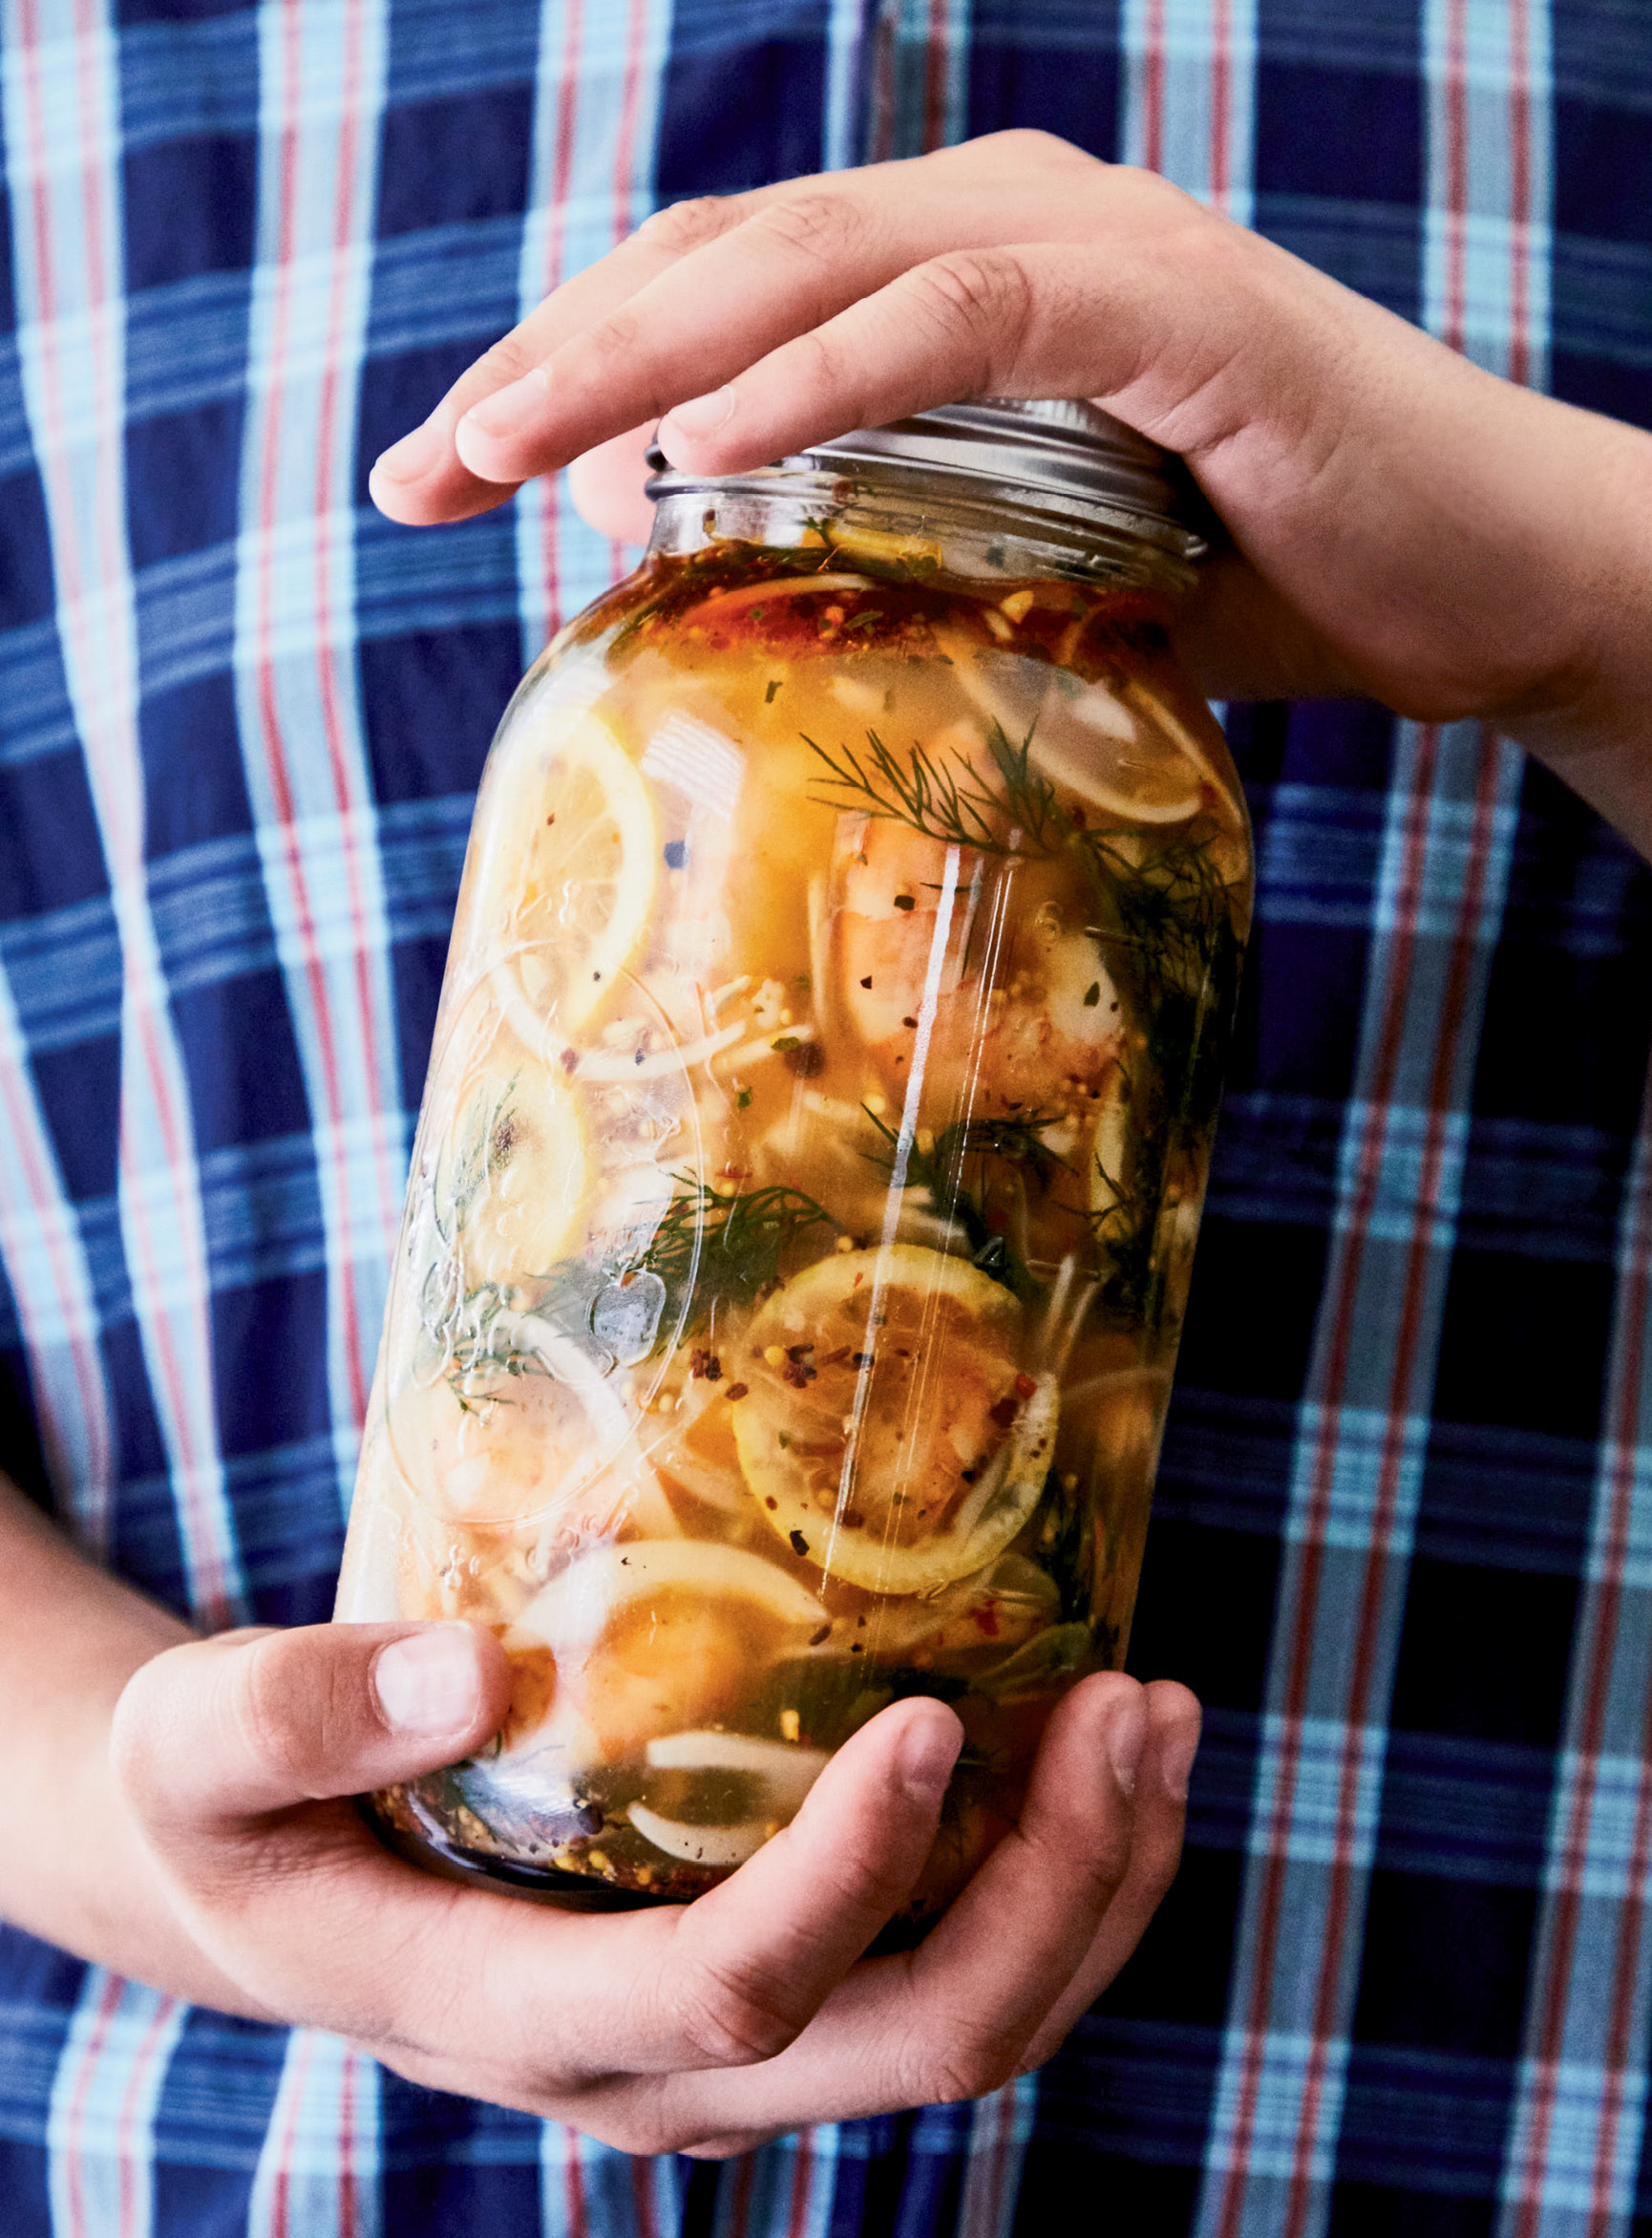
(75, 1868)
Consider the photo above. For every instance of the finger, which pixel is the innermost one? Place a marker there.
(732, 1979)
(421, 479)
(1027, 319)
(1172, 1733)
(606, 485)
(955, 2019)
(221, 1732)
(796, 259)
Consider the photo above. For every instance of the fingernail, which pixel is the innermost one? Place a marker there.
(511, 409)
(414, 456)
(427, 1683)
(1176, 1762)
(928, 1750)
(1126, 1739)
(697, 415)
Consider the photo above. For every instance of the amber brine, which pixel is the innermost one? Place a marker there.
(805, 1190)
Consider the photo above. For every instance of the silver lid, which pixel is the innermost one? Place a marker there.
(1060, 454)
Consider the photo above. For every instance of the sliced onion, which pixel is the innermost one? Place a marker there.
(706, 1845)
(766, 1044)
(789, 1770)
(612, 1065)
(573, 1610)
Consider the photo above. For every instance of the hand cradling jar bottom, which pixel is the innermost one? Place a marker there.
(806, 1184)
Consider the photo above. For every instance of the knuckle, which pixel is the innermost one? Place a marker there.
(1154, 195)
(974, 2063)
(614, 347)
(822, 367)
(686, 225)
(286, 1728)
(1028, 144)
(862, 1882)
(730, 2018)
(820, 225)
(132, 1751)
(500, 364)
(980, 296)
(642, 2133)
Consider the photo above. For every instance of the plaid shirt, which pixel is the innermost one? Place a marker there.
(1403, 1542)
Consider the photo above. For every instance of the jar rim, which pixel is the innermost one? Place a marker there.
(1059, 455)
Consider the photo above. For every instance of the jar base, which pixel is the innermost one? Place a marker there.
(436, 1853)
(448, 1859)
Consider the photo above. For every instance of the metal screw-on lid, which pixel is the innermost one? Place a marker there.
(1062, 448)
(1061, 455)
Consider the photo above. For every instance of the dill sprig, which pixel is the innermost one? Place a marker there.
(472, 1332)
(948, 798)
(941, 1169)
(956, 1171)
(1125, 1235)
(1172, 907)
(714, 1251)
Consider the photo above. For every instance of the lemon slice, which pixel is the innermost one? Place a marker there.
(1116, 751)
(887, 1435)
(568, 859)
(1095, 747)
(509, 1183)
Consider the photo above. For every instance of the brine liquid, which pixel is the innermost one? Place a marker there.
(804, 1196)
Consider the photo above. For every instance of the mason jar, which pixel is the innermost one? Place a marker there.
(804, 1195)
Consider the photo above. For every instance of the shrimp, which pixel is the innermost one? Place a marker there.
(651, 1637)
(1026, 1017)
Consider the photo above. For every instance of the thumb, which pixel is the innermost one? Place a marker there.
(220, 1730)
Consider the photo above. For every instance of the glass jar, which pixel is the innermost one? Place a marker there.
(806, 1185)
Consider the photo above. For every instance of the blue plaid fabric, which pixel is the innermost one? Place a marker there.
(1403, 1544)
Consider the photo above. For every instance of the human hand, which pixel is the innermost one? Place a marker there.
(1403, 524)
(700, 2028)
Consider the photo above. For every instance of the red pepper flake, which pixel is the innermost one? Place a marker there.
(1024, 1386)
(805, 1059)
(1006, 1411)
(911, 1023)
(988, 1620)
(737, 1391)
(550, 820)
(770, 1504)
(867, 981)
(569, 1060)
(905, 901)
(854, 1519)
(799, 1544)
